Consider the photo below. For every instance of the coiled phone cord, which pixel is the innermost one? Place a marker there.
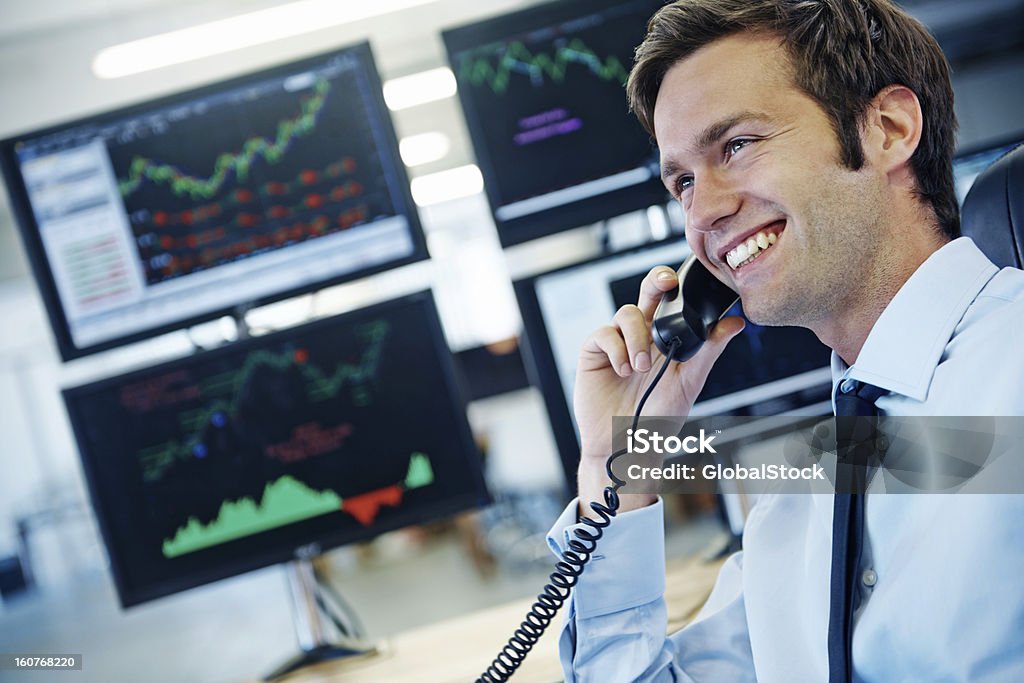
(569, 566)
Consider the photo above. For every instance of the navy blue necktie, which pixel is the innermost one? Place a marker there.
(854, 399)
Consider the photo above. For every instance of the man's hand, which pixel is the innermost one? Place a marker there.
(613, 372)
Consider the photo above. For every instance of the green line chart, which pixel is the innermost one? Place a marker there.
(518, 59)
(228, 389)
(286, 501)
(228, 164)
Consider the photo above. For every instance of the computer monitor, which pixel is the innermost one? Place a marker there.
(764, 371)
(543, 95)
(275, 447)
(968, 164)
(155, 217)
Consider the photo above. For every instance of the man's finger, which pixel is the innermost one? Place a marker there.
(605, 347)
(660, 280)
(636, 333)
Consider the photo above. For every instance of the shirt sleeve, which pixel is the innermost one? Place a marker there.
(616, 618)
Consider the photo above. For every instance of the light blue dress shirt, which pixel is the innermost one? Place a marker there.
(942, 576)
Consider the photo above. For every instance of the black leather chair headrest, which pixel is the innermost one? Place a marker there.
(993, 211)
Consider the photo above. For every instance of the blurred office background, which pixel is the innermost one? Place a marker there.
(56, 590)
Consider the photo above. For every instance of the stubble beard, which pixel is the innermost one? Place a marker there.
(831, 265)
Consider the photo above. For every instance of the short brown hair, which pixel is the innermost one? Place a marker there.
(843, 53)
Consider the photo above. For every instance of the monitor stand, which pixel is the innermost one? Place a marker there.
(310, 604)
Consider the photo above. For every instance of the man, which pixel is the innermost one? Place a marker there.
(822, 130)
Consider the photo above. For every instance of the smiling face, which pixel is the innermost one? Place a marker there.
(769, 208)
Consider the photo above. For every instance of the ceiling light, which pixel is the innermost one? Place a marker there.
(419, 88)
(237, 32)
(444, 186)
(417, 150)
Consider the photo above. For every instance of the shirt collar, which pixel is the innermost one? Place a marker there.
(906, 343)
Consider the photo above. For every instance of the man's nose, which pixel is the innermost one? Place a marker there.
(714, 197)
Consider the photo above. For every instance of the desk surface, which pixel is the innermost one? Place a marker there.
(457, 650)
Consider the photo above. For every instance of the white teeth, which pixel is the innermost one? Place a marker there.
(747, 251)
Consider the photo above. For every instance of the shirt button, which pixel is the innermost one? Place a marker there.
(848, 386)
(869, 578)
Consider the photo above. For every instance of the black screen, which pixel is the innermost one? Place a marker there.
(154, 217)
(544, 98)
(232, 459)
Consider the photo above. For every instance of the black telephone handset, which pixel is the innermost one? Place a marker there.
(688, 312)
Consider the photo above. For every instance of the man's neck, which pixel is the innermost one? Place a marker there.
(847, 331)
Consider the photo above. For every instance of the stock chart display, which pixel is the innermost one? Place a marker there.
(544, 95)
(174, 211)
(294, 161)
(327, 433)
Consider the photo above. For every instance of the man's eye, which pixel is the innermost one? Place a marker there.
(734, 146)
(683, 183)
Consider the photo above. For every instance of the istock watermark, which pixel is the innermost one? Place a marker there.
(801, 454)
(720, 472)
(647, 441)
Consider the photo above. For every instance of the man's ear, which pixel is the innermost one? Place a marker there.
(893, 127)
